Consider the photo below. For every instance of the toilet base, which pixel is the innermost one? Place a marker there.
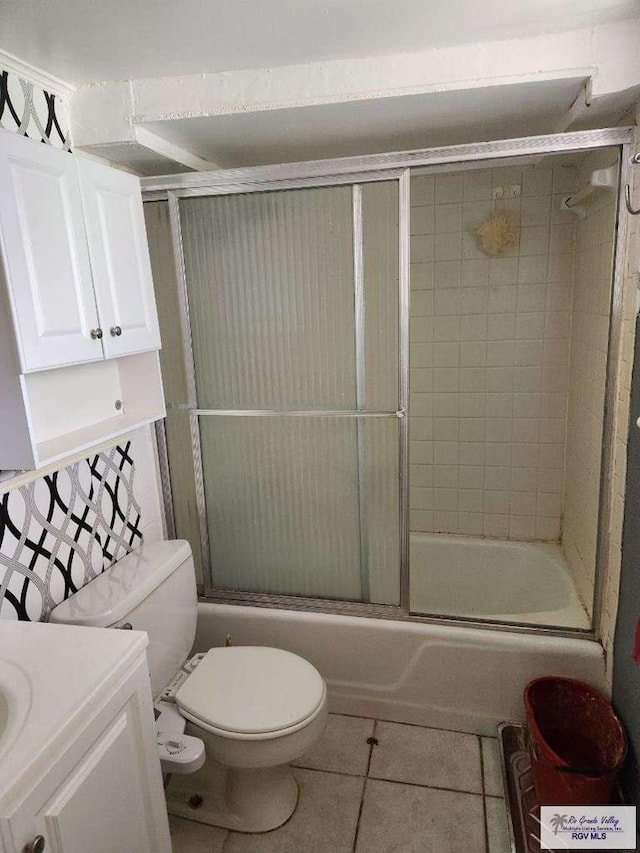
(243, 799)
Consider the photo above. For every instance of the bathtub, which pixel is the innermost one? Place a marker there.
(452, 677)
(526, 582)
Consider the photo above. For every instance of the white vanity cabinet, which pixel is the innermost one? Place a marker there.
(78, 322)
(94, 785)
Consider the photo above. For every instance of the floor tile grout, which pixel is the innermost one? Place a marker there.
(413, 725)
(484, 796)
(427, 787)
(366, 777)
(374, 743)
(335, 772)
(364, 787)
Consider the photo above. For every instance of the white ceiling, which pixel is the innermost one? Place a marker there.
(91, 40)
(374, 126)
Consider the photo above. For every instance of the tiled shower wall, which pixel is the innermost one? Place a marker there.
(490, 355)
(593, 263)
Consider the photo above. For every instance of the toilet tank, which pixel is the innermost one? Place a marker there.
(153, 589)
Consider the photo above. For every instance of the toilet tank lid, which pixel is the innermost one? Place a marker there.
(110, 596)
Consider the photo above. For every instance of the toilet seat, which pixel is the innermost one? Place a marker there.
(252, 693)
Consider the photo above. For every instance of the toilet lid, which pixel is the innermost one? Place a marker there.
(251, 689)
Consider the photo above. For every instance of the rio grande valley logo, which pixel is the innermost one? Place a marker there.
(588, 828)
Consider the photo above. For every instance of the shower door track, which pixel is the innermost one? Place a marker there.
(353, 171)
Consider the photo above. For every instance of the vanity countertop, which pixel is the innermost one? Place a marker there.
(49, 675)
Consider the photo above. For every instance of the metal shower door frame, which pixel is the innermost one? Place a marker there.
(374, 168)
(360, 413)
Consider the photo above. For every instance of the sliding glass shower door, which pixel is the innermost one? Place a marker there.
(291, 395)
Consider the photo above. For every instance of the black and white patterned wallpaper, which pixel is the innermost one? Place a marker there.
(29, 110)
(60, 531)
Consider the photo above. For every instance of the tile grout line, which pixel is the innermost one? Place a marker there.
(371, 748)
(427, 787)
(333, 772)
(484, 797)
(364, 786)
(414, 725)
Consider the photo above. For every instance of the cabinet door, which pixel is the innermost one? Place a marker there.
(104, 805)
(119, 259)
(45, 254)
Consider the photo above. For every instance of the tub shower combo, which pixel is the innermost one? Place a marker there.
(391, 436)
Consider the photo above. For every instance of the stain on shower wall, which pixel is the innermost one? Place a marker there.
(490, 343)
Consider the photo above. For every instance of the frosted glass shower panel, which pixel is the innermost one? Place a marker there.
(283, 506)
(380, 510)
(380, 273)
(177, 425)
(270, 285)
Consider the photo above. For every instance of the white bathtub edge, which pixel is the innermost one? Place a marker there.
(461, 678)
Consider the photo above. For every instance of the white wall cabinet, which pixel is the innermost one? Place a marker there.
(119, 254)
(46, 257)
(76, 257)
(78, 322)
(97, 786)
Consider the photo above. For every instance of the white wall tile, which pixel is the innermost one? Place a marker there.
(496, 478)
(448, 189)
(448, 247)
(584, 377)
(534, 240)
(536, 180)
(531, 298)
(422, 248)
(475, 272)
(533, 269)
(496, 526)
(447, 328)
(421, 276)
(447, 273)
(490, 355)
(535, 211)
(564, 179)
(422, 304)
(422, 220)
(422, 190)
(477, 185)
(448, 218)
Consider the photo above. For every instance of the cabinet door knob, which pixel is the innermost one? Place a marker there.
(116, 331)
(96, 334)
(35, 846)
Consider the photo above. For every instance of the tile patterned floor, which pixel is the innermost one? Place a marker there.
(376, 787)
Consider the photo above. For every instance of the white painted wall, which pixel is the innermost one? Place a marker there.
(146, 483)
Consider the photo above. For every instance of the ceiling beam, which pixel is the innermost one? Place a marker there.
(167, 149)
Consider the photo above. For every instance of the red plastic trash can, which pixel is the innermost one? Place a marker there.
(577, 743)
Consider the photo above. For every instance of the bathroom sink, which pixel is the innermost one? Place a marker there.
(15, 702)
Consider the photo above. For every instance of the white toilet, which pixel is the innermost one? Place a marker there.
(256, 708)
